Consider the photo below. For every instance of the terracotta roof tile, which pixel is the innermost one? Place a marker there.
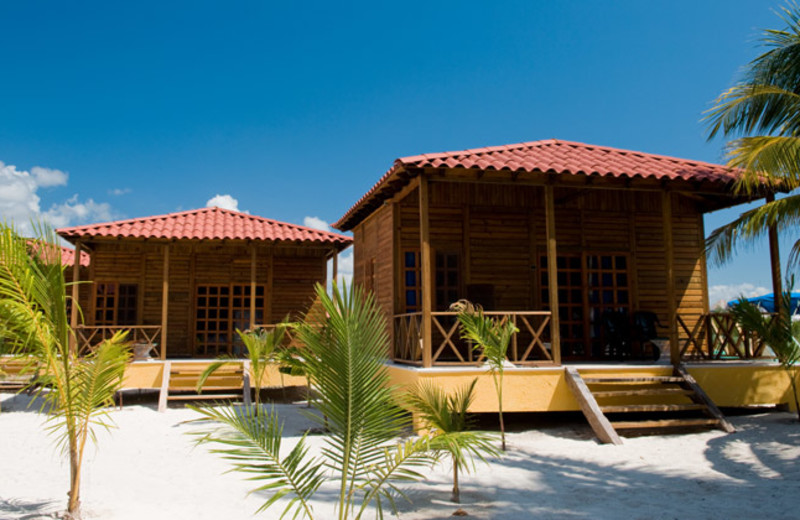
(559, 157)
(206, 224)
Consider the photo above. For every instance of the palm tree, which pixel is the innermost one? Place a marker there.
(762, 112)
(492, 337)
(777, 331)
(33, 319)
(447, 417)
(347, 356)
(262, 348)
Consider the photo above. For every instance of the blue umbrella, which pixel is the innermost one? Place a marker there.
(767, 302)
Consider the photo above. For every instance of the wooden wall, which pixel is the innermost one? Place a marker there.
(373, 263)
(288, 274)
(500, 232)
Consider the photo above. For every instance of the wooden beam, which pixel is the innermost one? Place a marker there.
(703, 398)
(253, 260)
(165, 303)
(775, 261)
(427, 285)
(552, 274)
(73, 318)
(591, 410)
(246, 383)
(669, 254)
(268, 291)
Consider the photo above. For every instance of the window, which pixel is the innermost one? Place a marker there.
(115, 304)
(369, 275)
(448, 280)
(411, 281)
(219, 311)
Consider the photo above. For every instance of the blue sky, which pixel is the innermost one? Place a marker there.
(295, 109)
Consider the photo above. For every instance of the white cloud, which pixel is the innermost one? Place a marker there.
(119, 191)
(345, 267)
(316, 223)
(224, 202)
(20, 202)
(47, 178)
(720, 295)
(60, 215)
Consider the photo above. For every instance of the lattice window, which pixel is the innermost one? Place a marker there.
(607, 290)
(220, 310)
(412, 289)
(570, 302)
(115, 304)
(448, 279)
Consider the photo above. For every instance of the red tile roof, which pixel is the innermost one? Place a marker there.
(68, 257)
(559, 157)
(206, 224)
(67, 254)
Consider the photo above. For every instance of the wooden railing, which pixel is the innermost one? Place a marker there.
(528, 346)
(717, 336)
(90, 336)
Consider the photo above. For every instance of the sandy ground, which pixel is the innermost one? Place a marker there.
(148, 468)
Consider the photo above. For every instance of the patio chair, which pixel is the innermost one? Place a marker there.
(645, 330)
(616, 334)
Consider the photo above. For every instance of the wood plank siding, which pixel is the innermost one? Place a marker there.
(286, 274)
(498, 233)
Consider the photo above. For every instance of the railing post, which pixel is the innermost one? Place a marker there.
(552, 273)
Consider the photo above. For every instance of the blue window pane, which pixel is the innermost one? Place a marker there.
(411, 259)
(411, 278)
(411, 297)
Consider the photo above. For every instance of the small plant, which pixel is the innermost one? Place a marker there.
(450, 426)
(778, 331)
(262, 348)
(33, 321)
(347, 356)
(491, 337)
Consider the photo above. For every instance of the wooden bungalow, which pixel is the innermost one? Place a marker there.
(184, 282)
(528, 228)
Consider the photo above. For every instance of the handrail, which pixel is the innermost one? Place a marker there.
(717, 336)
(89, 336)
(528, 346)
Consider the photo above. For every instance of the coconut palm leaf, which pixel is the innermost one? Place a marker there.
(751, 225)
(448, 418)
(251, 438)
(33, 320)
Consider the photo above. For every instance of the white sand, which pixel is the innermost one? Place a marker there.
(149, 469)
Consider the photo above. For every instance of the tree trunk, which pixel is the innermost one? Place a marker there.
(456, 493)
(74, 504)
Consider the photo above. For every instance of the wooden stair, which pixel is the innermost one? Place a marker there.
(179, 383)
(678, 394)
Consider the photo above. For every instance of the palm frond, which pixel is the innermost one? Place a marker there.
(766, 160)
(752, 225)
(251, 441)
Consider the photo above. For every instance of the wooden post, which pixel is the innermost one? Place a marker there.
(73, 318)
(335, 267)
(252, 286)
(552, 273)
(165, 304)
(669, 254)
(775, 262)
(268, 290)
(426, 285)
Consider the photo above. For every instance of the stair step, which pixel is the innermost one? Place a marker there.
(652, 408)
(206, 388)
(664, 423)
(648, 379)
(191, 397)
(642, 391)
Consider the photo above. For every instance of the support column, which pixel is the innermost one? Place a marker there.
(335, 267)
(73, 318)
(165, 303)
(552, 273)
(253, 260)
(669, 254)
(775, 262)
(426, 285)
